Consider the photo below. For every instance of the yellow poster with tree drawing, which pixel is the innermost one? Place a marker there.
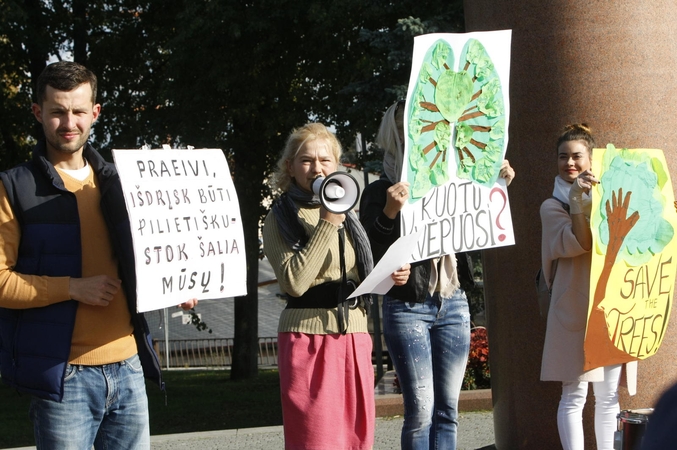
(634, 256)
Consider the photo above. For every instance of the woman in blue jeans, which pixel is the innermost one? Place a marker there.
(426, 321)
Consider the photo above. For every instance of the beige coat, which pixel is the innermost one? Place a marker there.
(567, 317)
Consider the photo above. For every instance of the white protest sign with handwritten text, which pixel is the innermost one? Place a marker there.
(456, 133)
(186, 225)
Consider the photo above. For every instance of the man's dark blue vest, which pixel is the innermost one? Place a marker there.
(35, 343)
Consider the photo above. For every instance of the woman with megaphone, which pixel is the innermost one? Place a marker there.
(426, 319)
(320, 252)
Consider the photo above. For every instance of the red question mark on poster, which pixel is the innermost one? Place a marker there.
(501, 237)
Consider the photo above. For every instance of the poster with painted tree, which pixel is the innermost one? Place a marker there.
(634, 256)
(456, 124)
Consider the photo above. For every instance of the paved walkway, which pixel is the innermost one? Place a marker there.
(476, 432)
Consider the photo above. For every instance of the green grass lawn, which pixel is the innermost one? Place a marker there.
(195, 400)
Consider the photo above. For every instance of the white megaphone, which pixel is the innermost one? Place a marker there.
(338, 192)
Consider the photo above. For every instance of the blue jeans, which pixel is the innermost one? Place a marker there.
(104, 406)
(429, 344)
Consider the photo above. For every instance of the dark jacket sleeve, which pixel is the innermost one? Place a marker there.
(382, 232)
(660, 431)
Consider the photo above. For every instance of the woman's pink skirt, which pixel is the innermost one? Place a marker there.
(327, 389)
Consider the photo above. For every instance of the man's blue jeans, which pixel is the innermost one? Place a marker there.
(429, 344)
(104, 406)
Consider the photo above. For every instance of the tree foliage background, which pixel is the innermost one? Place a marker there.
(232, 74)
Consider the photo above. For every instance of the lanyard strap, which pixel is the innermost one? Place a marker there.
(343, 307)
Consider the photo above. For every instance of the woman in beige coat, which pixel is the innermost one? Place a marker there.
(565, 253)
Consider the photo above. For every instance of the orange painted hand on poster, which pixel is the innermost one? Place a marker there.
(619, 227)
(619, 224)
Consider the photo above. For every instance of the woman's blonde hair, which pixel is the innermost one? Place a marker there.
(295, 142)
(577, 132)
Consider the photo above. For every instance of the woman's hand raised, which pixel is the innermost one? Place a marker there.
(396, 196)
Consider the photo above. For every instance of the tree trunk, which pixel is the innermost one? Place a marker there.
(245, 348)
(248, 179)
(37, 53)
(80, 32)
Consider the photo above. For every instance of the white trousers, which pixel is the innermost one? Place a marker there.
(570, 411)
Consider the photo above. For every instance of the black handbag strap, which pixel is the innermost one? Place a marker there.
(564, 205)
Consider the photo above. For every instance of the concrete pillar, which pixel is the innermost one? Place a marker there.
(613, 65)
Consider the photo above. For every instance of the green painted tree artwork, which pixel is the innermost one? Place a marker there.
(462, 111)
(638, 173)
